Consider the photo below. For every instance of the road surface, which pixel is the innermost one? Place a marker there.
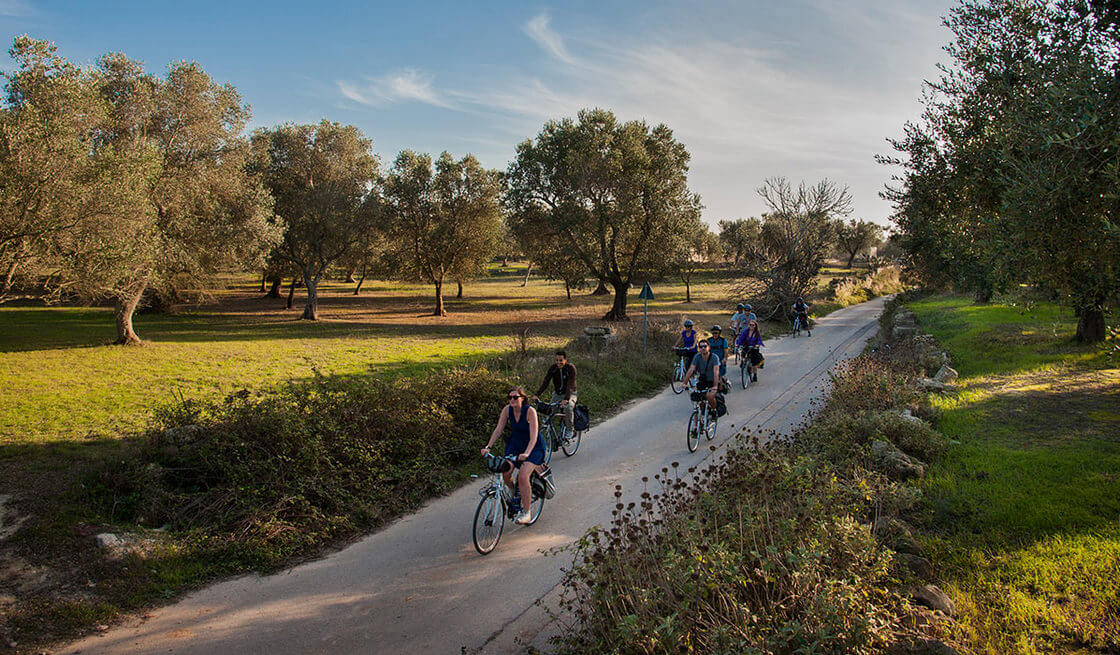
(418, 586)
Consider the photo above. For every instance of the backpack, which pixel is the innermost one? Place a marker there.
(581, 418)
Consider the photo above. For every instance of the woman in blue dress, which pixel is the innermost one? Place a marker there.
(521, 444)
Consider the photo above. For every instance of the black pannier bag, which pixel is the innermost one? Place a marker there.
(721, 405)
(581, 420)
(697, 396)
(541, 482)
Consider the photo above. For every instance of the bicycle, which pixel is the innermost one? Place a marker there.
(676, 378)
(549, 433)
(799, 324)
(747, 369)
(499, 503)
(702, 421)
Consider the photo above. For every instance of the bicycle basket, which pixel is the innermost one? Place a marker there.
(543, 408)
(697, 396)
(497, 464)
(541, 482)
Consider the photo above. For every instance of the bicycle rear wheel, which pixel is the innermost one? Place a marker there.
(547, 436)
(692, 437)
(489, 519)
(571, 445)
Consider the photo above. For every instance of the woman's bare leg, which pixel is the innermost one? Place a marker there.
(523, 483)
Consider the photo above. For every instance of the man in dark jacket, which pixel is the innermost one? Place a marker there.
(562, 375)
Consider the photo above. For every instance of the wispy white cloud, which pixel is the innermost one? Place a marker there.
(747, 107)
(540, 31)
(408, 85)
(15, 8)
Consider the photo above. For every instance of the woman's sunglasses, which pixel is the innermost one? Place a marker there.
(513, 395)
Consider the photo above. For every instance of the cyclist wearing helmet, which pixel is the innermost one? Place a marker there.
(801, 311)
(522, 443)
(706, 366)
(687, 341)
(718, 347)
(737, 320)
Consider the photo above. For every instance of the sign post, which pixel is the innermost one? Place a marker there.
(646, 295)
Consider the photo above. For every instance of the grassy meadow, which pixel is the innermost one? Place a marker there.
(1024, 514)
(62, 380)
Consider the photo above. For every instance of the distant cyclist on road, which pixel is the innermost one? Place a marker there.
(687, 340)
(706, 366)
(738, 320)
(801, 311)
(522, 443)
(751, 341)
(562, 375)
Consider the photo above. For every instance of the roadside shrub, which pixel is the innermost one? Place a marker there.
(870, 384)
(259, 478)
(839, 436)
(884, 281)
(761, 553)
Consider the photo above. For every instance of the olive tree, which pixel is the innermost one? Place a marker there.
(163, 198)
(738, 237)
(321, 177)
(443, 220)
(854, 237)
(611, 192)
(1012, 175)
(698, 247)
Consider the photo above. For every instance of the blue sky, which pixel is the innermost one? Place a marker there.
(804, 89)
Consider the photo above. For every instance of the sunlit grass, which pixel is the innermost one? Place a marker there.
(1025, 511)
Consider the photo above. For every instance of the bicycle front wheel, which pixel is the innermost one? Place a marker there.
(675, 380)
(710, 429)
(489, 519)
(692, 437)
(571, 445)
(744, 375)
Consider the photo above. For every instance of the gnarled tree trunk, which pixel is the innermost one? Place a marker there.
(311, 308)
(274, 287)
(528, 269)
(459, 293)
(362, 279)
(124, 306)
(601, 290)
(618, 309)
(1090, 323)
(264, 280)
(292, 292)
(439, 311)
(350, 276)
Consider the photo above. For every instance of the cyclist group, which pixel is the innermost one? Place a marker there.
(706, 358)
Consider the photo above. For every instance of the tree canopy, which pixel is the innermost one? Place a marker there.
(151, 192)
(613, 193)
(1012, 175)
(444, 221)
(857, 236)
(321, 177)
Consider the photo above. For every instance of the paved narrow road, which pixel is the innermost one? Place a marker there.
(418, 586)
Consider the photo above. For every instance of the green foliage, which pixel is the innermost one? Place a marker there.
(855, 237)
(739, 237)
(148, 187)
(443, 221)
(615, 194)
(768, 551)
(320, 176)
(1012, 175)
(884, 281)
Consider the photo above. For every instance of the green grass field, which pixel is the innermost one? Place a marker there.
(60, 380)
(1025, 511)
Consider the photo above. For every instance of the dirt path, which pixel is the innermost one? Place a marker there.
(418, 585)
